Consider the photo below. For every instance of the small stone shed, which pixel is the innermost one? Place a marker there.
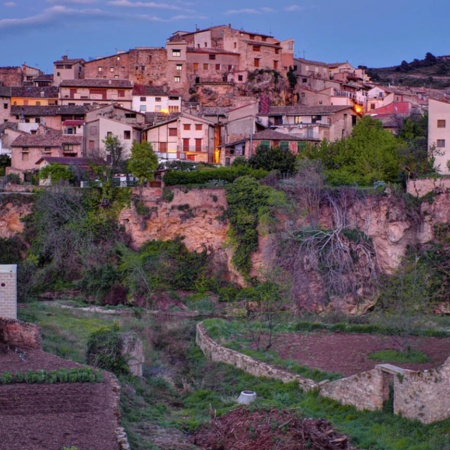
(8, 291)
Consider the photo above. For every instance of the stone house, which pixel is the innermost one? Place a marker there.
(311, 122)
(155, 99)
(27, 149)
(52, 116)
(267, 138)
(34, 96)
(439, 133)
(98, 129)
(67, 69)
(185, 137)
(9, 132)
(96, 91)
(11, 76)
(141, 65)
(5, 103)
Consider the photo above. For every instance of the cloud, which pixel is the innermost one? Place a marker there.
(74, 2)
(292, 8)
(10, 4)
(242, 11)
(267, 10)
(154, 5)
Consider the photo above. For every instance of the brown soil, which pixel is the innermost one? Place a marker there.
(348, 354)
(268, 430)
(52, 416)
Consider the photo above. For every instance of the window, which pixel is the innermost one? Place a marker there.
(25, 102)
(91, 145)
(198, 145)
(163, 147)
(173, 132)
(264, 38)
(301, 146)
(121, 93)
(304, 80)
(47, 150)
(277, 51)
(297, 119)
(37, 120)
(187, 126)
(185, 144)
(109, 134)
(198, 127)
(212, 56)
(315, 119)
(441, 123)
(127, 134)
(265, 145)
(157, 108)
(256, 62)
(143, 99)
(173, 109)
(195, 66)
(177, 79)
(130, 115)
(240, 77)
(217, 66)
(440, 143)
(143, 108)
(179, 66)
(93, 130)
(256, 48)
(284, 145)
(100, 69)
(111, 69)
(275, 65)
(205, 66)
(67, 148)
(157, 99)
(235, 45)
(176, 52)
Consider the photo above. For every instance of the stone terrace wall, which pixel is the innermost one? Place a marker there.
(16, 333)
(217, 353)
(368, 390)
(419, 188)
(423, 395)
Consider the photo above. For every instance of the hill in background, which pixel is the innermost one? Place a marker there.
(431, 72)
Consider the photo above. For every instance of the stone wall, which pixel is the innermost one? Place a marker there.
(216, 352)
(15, 333)
(419, 188)
(133, 350)
(368, 390)
(8, 291)
(423, 395)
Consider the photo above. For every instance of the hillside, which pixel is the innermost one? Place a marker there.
(431, 72)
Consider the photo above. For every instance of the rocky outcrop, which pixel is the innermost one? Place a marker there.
(12, 213)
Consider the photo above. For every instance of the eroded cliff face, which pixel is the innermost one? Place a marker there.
(12, 211)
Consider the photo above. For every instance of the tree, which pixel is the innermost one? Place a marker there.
(57, 173)
(142, 164)
(370, 154)
(5, 161)
(273, 158)
(115, 150)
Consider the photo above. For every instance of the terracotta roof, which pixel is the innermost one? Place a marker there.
(214, 111)
(217, 51)
(35, 91)
(272, 135)
(98, 82)
(5, 91)
(153, 118)
(302, 110)
(140, 89)
(401, 108)
(309, 61)
(73, 122)
(9, 126)
(47, 138)
(65, 161)
(44, 77)
(50, 110)
(65, 60)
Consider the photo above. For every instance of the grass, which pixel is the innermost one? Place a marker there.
(181, 387)
(412, 356)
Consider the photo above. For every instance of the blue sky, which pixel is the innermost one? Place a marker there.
(377, 34)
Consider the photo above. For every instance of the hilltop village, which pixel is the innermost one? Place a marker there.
(208, 96)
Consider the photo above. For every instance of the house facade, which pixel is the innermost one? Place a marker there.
(186, 137)
(96, 91)
(28, 149)
(67, 69)
(439, 134)
(34, 96)
(155, 99)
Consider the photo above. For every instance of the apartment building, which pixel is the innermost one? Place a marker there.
(439, 134)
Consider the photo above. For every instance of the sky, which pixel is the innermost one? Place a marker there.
(375, 34)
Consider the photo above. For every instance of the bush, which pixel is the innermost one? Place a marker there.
(223, 174)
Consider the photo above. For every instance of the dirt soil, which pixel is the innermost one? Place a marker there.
(53, 416)
(348, 354)
(242, 429)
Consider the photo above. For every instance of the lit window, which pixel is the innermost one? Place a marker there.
(179, 66)
(176, 52)
(173, 109)
(177, 79)
(111, 69)
(100, 69)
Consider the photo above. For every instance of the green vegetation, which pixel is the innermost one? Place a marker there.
(57, 173)
(5, 161)
(282, 160)
(77, 375)
(143, 163)
(180, 388)
(412, 356)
